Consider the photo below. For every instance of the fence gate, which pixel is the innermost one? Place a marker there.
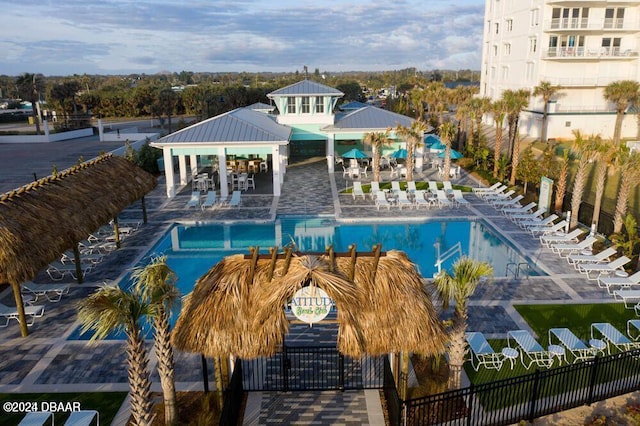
(312, 368)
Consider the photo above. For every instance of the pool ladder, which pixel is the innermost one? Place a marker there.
(516, 269)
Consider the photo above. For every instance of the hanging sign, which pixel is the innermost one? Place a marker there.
(311, 304)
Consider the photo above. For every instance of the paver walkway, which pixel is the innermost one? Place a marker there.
(52, 360)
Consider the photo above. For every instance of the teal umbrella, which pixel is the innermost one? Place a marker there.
(454, 154)
(401, 153)
(438, 145)
(354, 153)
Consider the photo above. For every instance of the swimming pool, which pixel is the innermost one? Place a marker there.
(192, 250)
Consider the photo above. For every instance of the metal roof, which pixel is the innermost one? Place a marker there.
(306, 87)
(352, 105)
(239, 125)
(261, 106)
(369, 118)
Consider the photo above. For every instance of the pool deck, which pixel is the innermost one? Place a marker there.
(47, 362)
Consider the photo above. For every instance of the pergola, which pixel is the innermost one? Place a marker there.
(41, 220)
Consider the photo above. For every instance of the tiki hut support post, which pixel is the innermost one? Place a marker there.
(376, 260)
(205, 373)
(144, 210)
(24, 331)
(255, 253)
(352, 265)
(274, 258)
(404, 375)
(332, 258)
(116, 231)
(76, 257)
(287, 260)
(219, 382)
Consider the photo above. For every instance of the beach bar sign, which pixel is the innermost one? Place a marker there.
(311, 304)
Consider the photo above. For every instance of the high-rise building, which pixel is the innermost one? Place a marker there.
(581, 46)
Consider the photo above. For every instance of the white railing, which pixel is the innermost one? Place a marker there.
(582, 108)
(591, 24)
(591, 53)
(599, 81)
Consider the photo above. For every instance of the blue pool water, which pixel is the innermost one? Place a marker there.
(192, 250)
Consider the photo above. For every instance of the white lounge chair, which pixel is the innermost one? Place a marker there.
(194, 201)
(83, 418)
(603, 268)
(210, 200)
(488, 194)
(236, 199)
(549, 240)
(530, 350)
(357, 190)
(446, 186)
(633, 324)
(481, 353)
(531, 217)
(511, 210)
(419, 199)
(482, 189)
(37, 418)
(630, 297)
(411, 186)
(403, 200)
(492, 198)
(85, 257)
(58, 270)
(381, 200)
(602, 256)
(578, 349)
(611, 283)
(500, 204)
(565, 250)
(443, 200)
(458, 198)
(433, 186)
(549, 229)
(537, 222)
(375, 188)
(52, 292)
(395, 186)
(31, 312)
(612, 336)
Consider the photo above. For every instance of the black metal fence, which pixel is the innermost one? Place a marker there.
(233, 397)
(530, 396)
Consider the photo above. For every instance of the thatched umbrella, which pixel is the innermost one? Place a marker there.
(237, 308)
(41, 220)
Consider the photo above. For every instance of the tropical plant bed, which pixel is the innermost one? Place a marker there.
(194, 408)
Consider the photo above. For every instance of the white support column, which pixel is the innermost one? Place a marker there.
(100, 130)
(331, 153)
(45, 125)
(193, 162)
(419, 156)
(276, 172)
(182, 165)
(168, 172)
(222, 170)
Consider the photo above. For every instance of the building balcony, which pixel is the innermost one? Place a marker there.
(590, 54)
(578, 82)
(600, 3)
(591, 25)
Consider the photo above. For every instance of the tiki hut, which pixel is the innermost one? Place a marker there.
(237, 308)
(41, 220)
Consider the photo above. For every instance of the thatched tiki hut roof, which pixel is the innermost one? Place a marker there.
(41, 220)
(237, 308)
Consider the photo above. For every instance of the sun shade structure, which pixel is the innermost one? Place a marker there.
(237, 307)
(41, 220)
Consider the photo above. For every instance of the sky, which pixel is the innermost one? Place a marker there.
(67, 37)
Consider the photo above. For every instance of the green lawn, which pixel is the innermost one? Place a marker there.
(106, 403)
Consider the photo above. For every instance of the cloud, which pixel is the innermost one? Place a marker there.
(122, 36)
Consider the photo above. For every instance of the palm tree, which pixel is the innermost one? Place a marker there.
(467, 274)
(377, 140)
(604, 155)
(499, 111)
(584, 148)
(561, 185)
(515, 101)
(156, 282)
(546, 90)
(515, 160)
(112, 309)
(414, 136)
(29, 87)
(447, 133)
(167, 100)
(623, 93)
(629, 166)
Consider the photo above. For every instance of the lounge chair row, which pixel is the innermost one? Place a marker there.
(411, 197)
(563, 346)
(76, 418)
(212, 201)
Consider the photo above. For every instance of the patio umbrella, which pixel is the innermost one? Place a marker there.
(401, 153)
(454, 154)
(431, 139)
(354, 153)
(437, 145)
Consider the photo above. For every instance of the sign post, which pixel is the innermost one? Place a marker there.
(546, 189)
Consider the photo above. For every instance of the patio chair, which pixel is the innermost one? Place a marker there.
(632, 281)
(236, 199)
(419, 199)
(58, 270)
(345, 171)
(629, 296)
(30, 311)
(83, 418)
(633, 324)
(403, 200)
(578, 349)
(446, 186)
(37, 418)
(552, 228)
(511, 210)
(565, 250)
(549, 240)
(481, 353)
(612, 336)
(433, 186)
(603, 256)
(375, 188)
(482, 189)
(194, 201)
(394, 172)
(395, 186)
(492, 198)
(603, 268)
(52, 292)
(364, 171)
(411, 186)
(499, 190)
(530, 350)
(210, 201)
(381, 200)
(458, 198)
(357, 190)
(443, 200)
(499, 204)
